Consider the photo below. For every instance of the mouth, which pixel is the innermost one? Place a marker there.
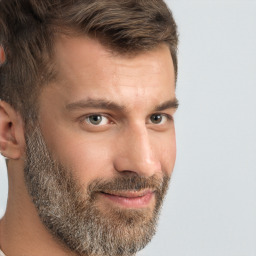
(130, 199)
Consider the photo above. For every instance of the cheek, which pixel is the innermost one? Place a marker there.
(166, 152)
(88, 159)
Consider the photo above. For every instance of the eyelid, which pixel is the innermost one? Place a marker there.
(102, 121)
(168, 116)
(104, 115)
(111, 120)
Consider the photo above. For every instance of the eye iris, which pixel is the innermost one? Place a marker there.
(156, 119)
(95, 119)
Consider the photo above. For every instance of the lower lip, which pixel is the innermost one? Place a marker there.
(131, 202)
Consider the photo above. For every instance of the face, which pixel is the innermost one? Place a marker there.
(99, 160)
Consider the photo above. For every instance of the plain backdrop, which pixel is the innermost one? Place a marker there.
(210, 209)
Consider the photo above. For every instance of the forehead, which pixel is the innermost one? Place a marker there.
(86, 68)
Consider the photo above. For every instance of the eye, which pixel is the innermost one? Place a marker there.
(97, 120)
(159, 118)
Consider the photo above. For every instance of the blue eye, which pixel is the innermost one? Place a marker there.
(97, 120)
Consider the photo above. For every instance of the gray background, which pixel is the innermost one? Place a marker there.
(210, 209)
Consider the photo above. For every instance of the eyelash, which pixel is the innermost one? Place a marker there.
(101, 115)
(86, 118)
(168, 117)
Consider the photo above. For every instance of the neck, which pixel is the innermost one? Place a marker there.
(21, 231)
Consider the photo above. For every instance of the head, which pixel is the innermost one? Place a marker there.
(93, 83)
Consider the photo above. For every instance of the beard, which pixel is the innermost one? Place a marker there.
(69, 210)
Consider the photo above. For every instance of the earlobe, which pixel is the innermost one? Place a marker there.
(12, 142)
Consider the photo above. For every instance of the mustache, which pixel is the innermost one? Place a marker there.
(130, 183)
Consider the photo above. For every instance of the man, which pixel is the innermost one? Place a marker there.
(87, 94)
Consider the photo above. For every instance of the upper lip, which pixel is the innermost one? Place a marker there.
(129, 194)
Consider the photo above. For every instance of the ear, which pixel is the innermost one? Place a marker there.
(12, 141)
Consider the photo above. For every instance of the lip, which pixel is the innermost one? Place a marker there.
(130, 199)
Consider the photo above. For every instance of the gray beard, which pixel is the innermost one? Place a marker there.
(69, 210)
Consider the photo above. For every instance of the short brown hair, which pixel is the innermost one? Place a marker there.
(28, 27)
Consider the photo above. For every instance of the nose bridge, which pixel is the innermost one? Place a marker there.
(138, 154)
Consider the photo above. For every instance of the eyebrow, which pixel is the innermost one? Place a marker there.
(95, 103)
(170, 104)
(106, 104)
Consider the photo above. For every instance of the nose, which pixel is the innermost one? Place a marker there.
(136, 154)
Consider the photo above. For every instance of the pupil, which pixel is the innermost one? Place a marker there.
(156, 119)
(95, 119)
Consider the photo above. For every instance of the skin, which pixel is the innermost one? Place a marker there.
(125, 142)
